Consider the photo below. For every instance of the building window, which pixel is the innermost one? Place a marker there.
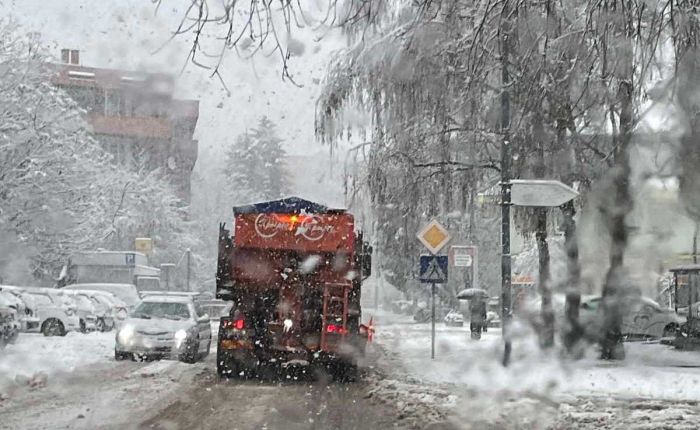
(70, 56)
(112, 101)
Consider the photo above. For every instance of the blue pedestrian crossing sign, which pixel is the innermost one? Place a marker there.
(433, 269)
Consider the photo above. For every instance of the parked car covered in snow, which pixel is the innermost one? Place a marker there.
(165, 326)
(643, 318)
(57, 314)
(118, 309)
(9, 321)
(102, 307)
(89, 315)
(454, 319)
(127, 293)
(493, 312)
(23, 313)
(26, 308)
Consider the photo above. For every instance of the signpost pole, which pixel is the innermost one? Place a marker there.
(432, 329)
(189, 258)
(505, 197)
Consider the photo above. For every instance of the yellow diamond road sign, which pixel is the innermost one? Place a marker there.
(434, 236)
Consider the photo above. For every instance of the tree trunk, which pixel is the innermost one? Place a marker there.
(613, 290)
(573, 332)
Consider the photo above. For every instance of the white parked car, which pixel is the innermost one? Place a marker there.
(127, 293)
(454, 319)
(56, 314)
(101, 307)
(9, 321)
(165, 326)
(88, 314)
(117, 308)
(643, 318)
(23, 313)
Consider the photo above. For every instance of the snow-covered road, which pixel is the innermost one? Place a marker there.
(74, 382)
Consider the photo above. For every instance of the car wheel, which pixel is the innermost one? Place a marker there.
(190, 354)
(670, 330)
(120, 356)
(100, 325)
(83, 326)
(53, 327)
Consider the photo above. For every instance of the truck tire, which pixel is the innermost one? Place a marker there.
(349, 372)
(226, 367)
(53, 327)
(342, 370)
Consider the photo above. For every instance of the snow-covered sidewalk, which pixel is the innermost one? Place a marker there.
(650, 370)
(654, 386)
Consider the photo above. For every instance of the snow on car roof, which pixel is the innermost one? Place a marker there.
(167, 299)
(91, 286)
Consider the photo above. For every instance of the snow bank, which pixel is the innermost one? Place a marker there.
(650, 370)
(36, 354)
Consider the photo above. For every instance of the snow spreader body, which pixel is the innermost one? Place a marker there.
(293, 270)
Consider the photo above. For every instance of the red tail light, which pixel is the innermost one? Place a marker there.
(238, 324)
(332, 328)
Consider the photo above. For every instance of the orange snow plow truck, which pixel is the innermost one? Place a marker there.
(293, 270)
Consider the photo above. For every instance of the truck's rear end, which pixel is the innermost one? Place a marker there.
(293, 271)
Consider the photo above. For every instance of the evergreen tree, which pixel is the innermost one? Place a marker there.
(255, 168)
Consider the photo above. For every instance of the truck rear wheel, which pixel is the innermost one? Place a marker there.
(342, 370)
(227, 369)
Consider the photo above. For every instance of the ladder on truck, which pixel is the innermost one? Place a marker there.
(335, 314)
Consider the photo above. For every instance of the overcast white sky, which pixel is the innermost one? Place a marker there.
(127, 33)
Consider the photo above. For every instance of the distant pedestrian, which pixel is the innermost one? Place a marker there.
(477, 308)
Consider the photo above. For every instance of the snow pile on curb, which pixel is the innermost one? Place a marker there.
(35, 354)
(418, 405)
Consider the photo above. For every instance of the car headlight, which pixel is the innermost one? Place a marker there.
(125, 334)
(180, 337)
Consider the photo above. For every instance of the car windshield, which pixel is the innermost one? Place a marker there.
(175, 311)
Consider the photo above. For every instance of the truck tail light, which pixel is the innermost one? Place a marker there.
(332, 328)
(236, 324)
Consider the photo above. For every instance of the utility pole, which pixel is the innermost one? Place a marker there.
(189, 258)
(379, 279)
(432, 322)
(505, 185)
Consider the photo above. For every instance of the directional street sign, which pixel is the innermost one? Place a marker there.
(540, 192)
(462, 256)
(434, 236)
(433, 269)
